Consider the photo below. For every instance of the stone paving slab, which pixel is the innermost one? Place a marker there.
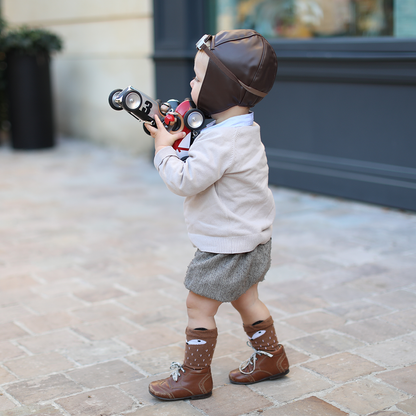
(39, 365)
(35, 410)
(93, 252)
(169, 409)
(104, 401)
(383, 413)
(343, 367)
(365, 396)
(403, 378)
(312, 406)
(232, 400)
(408, 406)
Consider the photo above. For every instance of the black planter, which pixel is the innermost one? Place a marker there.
(30, 101)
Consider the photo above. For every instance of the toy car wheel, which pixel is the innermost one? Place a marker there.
(178, 125)
(132, 101)
(152, 123)
(173, 104)
(194, 119)
(145, 129)
(112, 100)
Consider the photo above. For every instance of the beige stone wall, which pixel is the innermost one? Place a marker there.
(107, 45)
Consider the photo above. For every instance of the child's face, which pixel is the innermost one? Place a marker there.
(200, 68)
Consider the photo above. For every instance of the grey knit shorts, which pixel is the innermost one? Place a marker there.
(225, 277)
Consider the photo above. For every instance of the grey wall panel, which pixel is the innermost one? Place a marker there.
(173, 78)
(362, 122)
(351, 140)
(178, 25)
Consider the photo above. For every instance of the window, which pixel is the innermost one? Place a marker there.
(302, 19)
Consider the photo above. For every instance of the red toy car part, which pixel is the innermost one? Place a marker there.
(176, 116)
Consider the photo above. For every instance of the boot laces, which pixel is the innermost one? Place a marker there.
(252, 360)
(176, 367)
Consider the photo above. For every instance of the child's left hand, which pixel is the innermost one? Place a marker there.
(162, 137)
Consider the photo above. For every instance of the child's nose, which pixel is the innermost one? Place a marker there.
(191, 83)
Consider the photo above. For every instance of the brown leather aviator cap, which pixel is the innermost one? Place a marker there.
(241, 70)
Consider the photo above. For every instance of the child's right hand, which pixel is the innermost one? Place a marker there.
(162, 137)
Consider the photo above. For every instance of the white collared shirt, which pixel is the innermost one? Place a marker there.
(236, 121)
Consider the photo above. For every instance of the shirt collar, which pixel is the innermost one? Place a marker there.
(236, 121)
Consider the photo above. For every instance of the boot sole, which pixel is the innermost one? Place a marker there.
(275, 377)
(197, 397)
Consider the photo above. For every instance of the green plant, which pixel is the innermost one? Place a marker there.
(30, 40)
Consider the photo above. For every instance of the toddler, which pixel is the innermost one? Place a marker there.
(229, 211)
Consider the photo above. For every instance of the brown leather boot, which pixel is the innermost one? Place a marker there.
(191, 380)
(268, 361)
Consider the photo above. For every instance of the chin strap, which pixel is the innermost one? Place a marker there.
(252, 360)
(202, 46)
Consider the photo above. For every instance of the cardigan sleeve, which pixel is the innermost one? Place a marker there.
(210, 156)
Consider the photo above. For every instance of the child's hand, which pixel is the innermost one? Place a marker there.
(162, 137)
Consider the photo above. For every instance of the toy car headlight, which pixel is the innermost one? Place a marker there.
(195, 120)
(133, 100)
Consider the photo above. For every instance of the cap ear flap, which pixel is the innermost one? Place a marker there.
(218, 93)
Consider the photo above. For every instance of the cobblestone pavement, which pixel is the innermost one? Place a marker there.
(93, 251)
